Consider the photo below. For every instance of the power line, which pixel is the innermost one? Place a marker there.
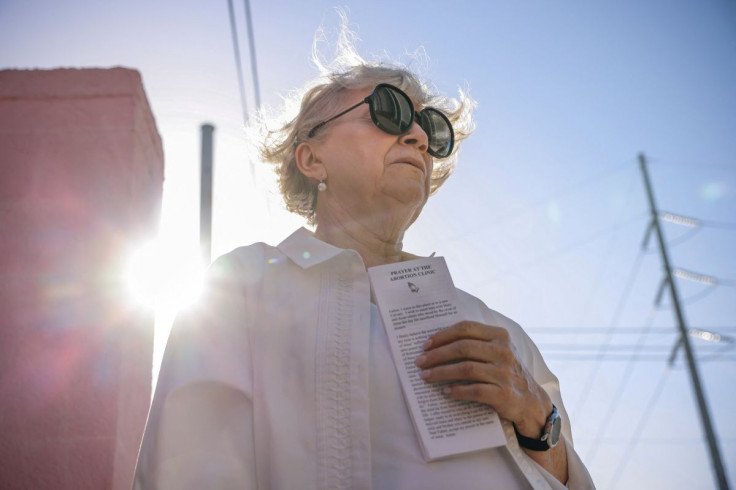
(609, 248)
(634, 348)
(563, 249)
(617, 313)
(640, 428)
(620, 389)
(684, 237)
(695, 223)
(566, 190)
(698, 296)
(253, 62)
(718, 344)
(674, 438)
(692, 166)
(717, 356)
(628, 330)
(238, 63)
(239, 69)
(723, 225)
(706, 279)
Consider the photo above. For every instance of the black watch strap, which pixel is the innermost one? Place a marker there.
(531, 443)
(549, 437)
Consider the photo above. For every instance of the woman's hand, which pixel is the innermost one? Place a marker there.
(484, 356)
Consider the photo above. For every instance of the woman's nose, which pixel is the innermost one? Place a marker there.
(415, 137)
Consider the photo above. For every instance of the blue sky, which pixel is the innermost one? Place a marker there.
(545, 215)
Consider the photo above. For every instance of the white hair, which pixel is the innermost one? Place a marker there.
(324, 96)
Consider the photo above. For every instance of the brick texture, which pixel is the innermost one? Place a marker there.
(81, 177)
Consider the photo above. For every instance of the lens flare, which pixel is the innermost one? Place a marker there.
(164, 277)
(712, 191)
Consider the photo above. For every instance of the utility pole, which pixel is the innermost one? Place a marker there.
(684, 339)
(205, 194)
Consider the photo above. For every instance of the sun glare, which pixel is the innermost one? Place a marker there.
(163, 277)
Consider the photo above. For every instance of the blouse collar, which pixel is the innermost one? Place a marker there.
(306, 250)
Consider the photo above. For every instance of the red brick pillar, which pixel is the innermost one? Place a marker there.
(81, 174)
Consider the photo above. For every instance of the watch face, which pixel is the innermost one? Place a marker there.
(554, 434)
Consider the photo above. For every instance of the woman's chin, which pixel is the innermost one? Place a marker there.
(408, 193)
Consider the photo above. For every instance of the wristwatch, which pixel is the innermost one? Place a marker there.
(550, 435)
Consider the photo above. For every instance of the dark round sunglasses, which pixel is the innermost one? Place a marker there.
(392, 112)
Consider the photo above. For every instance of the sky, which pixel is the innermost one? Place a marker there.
(545, 216)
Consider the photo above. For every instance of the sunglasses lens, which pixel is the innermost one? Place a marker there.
(392, 110)
(439, 132)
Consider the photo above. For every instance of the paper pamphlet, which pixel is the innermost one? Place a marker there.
(416, 299)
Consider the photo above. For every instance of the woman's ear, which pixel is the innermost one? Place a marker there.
(309, 163)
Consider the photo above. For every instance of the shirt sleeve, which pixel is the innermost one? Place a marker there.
(199, 432)
(578, 476)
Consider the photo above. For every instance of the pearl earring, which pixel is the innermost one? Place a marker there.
(322, 186)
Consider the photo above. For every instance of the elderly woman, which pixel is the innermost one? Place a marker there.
(282, 377)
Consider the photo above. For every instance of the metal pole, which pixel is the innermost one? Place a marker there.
(684, 339)
(205, 194)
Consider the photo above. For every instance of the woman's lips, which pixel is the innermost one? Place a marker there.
(414, 162)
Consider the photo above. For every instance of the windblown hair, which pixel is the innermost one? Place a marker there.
(325, 96)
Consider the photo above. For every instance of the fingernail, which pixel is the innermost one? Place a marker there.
(425, 373)
(446, 390)
(427, 344)
(420, 360)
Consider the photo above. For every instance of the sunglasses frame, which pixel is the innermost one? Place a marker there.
(369, 100)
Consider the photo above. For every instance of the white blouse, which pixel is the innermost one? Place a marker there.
(279, 379)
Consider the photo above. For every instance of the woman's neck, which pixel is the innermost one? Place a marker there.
(375, 248)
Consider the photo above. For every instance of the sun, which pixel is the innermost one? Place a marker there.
(164, 277)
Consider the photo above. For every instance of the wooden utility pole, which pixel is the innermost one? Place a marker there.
(684, 339)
